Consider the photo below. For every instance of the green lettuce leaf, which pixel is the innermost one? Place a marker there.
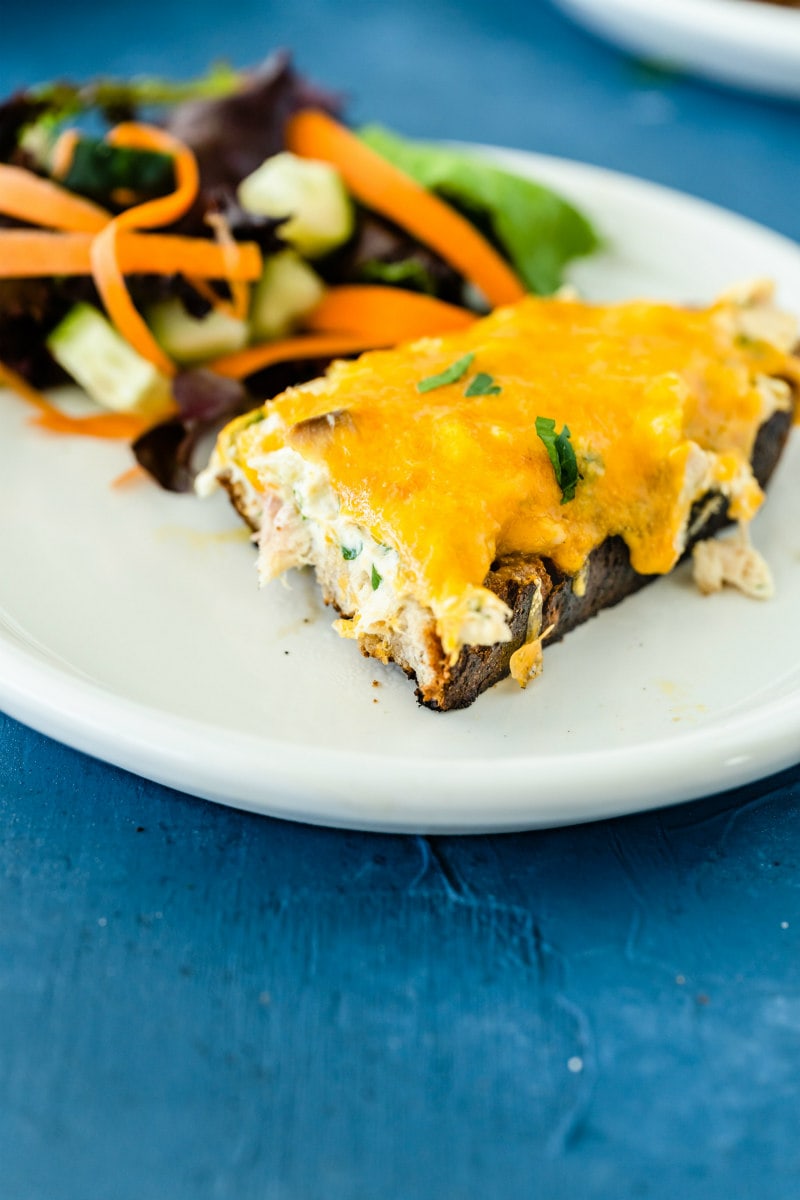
(538, 230)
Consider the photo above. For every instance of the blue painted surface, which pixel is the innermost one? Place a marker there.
(199, 1004)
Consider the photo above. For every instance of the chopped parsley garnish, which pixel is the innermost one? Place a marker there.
(376, 579)
(253, 418)
(562, 456)
(299, 503)
(483, 385)
(451, 374)
(351, 552)
(745, 342)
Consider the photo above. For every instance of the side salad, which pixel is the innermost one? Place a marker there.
(182, 251)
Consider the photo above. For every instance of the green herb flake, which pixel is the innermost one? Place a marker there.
(451, 374)
(253, 418)
(562, 456)
(376, 579)
(745, 342)
(483, 385)
(351, 552)
(298, 503)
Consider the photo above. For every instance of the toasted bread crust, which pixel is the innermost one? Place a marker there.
(238, 498)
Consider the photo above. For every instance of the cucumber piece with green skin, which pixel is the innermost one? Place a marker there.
(189, 340)
(98, 170)
(288, 289)
(310, 194)
(109, 370)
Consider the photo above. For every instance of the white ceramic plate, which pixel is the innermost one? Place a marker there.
(737, 42)
(131, 625)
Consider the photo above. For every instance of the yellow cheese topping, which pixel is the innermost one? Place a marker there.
(662, 404)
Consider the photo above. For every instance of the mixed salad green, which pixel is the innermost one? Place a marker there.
(183, 267)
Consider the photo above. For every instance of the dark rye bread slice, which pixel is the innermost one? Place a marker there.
(607, 579)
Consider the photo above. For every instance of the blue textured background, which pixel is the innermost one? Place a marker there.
(198, 1004)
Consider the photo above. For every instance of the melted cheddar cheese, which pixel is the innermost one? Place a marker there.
(663, 405)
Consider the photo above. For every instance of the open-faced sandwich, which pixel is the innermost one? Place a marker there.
(466, 499)
(472, 486)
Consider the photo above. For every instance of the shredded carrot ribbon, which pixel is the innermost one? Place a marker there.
(348, 320)
(108, 247)
(104, 425)
(206, 291)
(26, 197)
(239, 293)
(106, 269)
(37, 253)
(108, 425)
(382, 187)
(134, 474)
(23, 389)
(319, 345)
(390, 313)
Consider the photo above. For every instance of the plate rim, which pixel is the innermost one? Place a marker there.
(59, 703)
(706, 764)
(768, 34)
(730, 20)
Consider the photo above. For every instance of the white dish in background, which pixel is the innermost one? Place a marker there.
(131, 626)
(741, 43)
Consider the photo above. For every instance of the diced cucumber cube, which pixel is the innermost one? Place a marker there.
(310, 193)
(288, 289)
(190, 339)
(109, 370)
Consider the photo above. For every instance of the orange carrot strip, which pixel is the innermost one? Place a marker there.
(36, 253)
(320, 345)
(26, 197)
(105, 425)
(240, 293)
(108, 275)
(164, 210)
(121, 310)
(32, 253)
(134, 474)
(217, 302)
(15, 383)
(392, 312)
(146, 137)
(170, 254)
(382, 187)
(110, 425)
